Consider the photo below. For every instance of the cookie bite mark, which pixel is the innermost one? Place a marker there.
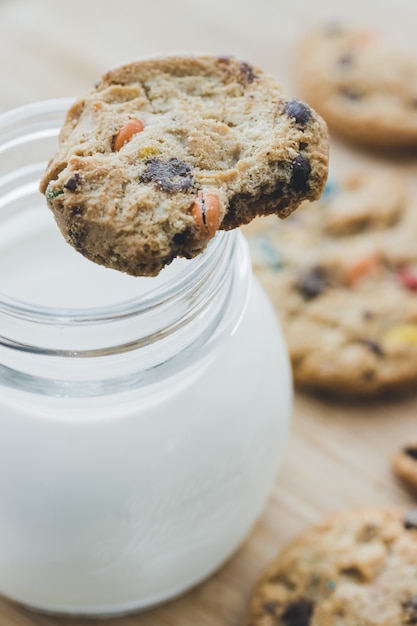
(170, 176)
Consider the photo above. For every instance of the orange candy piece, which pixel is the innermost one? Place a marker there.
(361, 267)
(206, 213)
(366, 37)
(126, 132)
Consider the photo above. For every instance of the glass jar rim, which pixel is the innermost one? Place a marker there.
(181, 319)
(23, 121)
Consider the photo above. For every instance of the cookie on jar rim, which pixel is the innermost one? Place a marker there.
(363, 85)
(342, 275)
(166, 151)
(354, 567)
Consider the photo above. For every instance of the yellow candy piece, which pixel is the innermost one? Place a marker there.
(148, 151)
(401, 334)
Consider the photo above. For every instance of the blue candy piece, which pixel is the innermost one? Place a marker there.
(267, 253)
(329, 190)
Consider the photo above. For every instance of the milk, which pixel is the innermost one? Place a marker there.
(142, 420)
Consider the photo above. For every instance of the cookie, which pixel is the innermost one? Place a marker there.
(365, 88)
(355, 568)
(404, 465)
(164, 152)
(342, 274)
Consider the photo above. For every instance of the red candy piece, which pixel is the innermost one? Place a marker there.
(408, 279)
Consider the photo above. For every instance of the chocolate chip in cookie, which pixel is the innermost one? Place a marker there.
(410, 611)
(298, 110)
(170, 176)
(298, 613)
(312, 282)
(410, 519)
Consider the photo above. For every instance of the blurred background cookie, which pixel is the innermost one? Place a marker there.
(342, 275)
(354, 567)
(365, 88)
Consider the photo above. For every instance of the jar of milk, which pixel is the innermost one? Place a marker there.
(142, 420)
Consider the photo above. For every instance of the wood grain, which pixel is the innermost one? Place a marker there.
(338, 455)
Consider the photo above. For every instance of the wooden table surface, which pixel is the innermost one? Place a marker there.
(338, 454)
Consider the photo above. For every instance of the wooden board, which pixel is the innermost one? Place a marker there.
(338, 453)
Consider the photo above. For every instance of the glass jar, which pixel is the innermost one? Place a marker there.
(142, 420)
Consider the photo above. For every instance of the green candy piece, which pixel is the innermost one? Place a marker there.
(53, 193)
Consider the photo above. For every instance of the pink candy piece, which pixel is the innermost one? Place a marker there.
(408, 279)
